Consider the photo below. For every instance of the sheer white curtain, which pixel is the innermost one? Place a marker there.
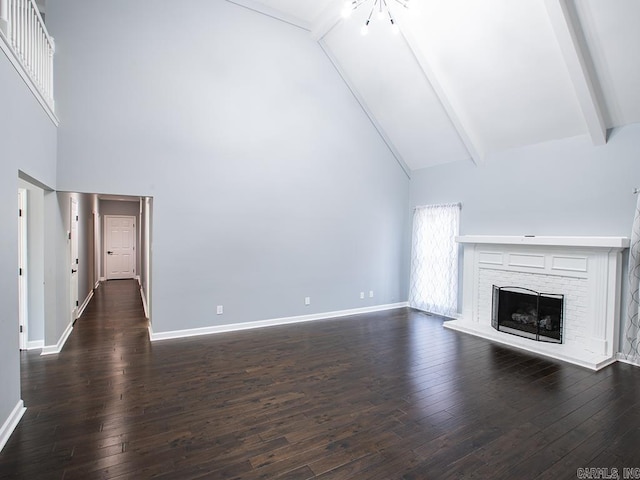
(434, 259)
(631, 341)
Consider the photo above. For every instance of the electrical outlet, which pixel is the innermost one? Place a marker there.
(219, 310)
(361, 294)
(307, 300)
(370, 293)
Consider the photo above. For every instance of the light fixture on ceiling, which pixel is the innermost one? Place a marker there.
(379, 5)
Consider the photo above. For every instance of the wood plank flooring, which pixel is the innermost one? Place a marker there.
(389, 395)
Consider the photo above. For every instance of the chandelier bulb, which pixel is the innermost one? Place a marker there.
(382, 7)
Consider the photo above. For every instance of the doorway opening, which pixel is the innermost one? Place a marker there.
(61, 244)
(123, 239)
(31, 257)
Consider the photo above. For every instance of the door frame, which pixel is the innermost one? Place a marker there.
(97, 237)
(135, 244)
(74, 219)
(23, 304)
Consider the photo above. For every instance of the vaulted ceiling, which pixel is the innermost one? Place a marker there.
(467, 78)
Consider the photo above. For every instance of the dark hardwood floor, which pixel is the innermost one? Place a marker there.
(378, 396)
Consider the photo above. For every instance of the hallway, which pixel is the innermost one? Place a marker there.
(378, 396)
(80, 401)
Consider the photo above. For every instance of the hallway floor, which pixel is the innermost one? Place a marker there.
(377, 396)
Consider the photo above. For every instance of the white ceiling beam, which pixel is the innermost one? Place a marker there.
(354, 91)
(272, 12)
(575, 56)
(454, 112)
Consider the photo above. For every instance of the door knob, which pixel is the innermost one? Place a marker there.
(73, 271)
(109, 252)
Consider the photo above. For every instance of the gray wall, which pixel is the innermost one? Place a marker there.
(28, 143)
(57, 313)
(85, 247)
(565, 187)
(269, 182)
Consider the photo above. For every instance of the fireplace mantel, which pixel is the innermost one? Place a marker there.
(599, 242)
(586, 270)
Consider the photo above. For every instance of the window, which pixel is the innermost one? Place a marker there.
(434, 259)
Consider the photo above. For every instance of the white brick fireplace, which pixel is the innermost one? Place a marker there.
(586, 270)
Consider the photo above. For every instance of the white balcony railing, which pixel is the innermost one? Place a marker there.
(26, 35)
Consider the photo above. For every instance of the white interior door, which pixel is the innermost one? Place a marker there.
(73, 247)
(119, 245)
(22, 268)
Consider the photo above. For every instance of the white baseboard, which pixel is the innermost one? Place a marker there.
(144, 302)
(97, 284)
(455, 316)
(35, 344)
(11, 423)
(84, 304)
(57, 348)
(103, 279)
(233, 327)
(631, 360)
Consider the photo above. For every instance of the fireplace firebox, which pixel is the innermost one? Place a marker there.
(527, 313)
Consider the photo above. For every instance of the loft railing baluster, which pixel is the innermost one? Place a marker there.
(4, 18)
(26, 34)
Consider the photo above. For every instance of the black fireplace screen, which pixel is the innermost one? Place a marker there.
(527, 313)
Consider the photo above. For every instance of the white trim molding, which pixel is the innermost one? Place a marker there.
(601, 242)
(144, 302)
(454, 111)
(35, 344)
(631, 360)
(84, 304)
(365, 108)
(57, 348)
(11, 423)
(260, 7)
(234, 327)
